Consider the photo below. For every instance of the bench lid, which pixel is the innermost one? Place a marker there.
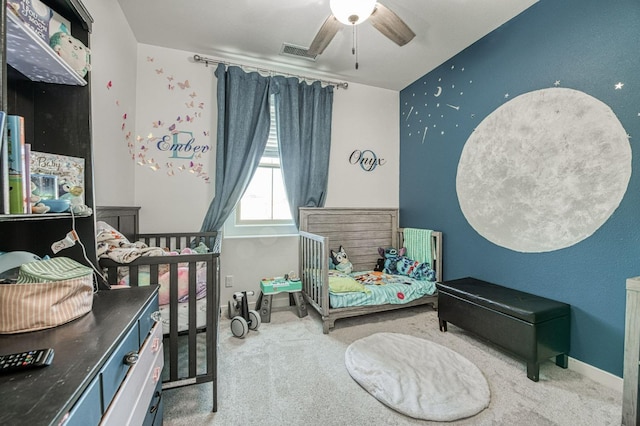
(525, 306)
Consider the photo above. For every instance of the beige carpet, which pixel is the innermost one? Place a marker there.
(289, 373)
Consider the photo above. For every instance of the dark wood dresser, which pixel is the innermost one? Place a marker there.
(89, 381)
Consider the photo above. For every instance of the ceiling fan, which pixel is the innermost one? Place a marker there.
(354, 12)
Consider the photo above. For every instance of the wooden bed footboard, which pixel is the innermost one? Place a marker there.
(362, 231)
(314, 270)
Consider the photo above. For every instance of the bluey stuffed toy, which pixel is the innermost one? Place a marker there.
(341, 261)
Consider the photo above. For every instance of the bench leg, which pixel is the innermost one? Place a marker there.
(443, 325)
(562, 360)
(533, 371)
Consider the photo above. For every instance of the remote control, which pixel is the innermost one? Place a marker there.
(24, 360)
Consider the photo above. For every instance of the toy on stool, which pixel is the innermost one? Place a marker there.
(242, 318)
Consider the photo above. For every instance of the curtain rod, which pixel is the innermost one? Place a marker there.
(207, 61)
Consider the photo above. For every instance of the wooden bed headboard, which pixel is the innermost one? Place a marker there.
(359, 231)
(124, 219)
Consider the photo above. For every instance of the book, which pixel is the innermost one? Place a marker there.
(4, 165)
(43, 20)
(34, 14)
(69, 170)
(15, 142)
(26, 178)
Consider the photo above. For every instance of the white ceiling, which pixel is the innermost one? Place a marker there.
(252, 32)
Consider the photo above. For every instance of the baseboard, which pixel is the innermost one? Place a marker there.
(603, 377)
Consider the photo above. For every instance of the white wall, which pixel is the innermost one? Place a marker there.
(149, 85)
(174, 94)
(364, 118)
(113, 82)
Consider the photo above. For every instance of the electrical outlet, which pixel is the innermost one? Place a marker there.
(228, 281)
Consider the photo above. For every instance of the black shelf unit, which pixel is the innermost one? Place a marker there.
(57, 120)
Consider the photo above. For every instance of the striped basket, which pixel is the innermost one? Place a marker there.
(31, 306)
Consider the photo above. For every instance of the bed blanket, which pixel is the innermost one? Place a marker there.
(113, 245)
(381, 289)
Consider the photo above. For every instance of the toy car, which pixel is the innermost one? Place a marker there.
(243, 319)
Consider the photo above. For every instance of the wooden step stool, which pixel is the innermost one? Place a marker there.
(269, 287)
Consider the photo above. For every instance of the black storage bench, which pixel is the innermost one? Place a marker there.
(529, 326)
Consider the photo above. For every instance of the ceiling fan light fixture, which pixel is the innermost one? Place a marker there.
(352, 12)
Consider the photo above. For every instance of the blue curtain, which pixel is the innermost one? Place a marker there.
(303, 119)
(243, 130)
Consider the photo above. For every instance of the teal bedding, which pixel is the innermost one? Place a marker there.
(382, 289)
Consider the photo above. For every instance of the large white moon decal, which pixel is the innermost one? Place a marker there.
(544, 171)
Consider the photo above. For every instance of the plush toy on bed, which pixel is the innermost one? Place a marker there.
(379, 265)
(415, 269)
(391, 257)
(341, 261)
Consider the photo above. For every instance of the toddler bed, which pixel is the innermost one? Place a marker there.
(188, 295)
(361, 232)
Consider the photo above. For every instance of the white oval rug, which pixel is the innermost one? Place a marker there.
(418, 378)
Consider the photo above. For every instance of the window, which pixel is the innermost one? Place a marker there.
(264, 207)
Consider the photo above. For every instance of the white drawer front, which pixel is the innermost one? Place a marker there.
(136, 391)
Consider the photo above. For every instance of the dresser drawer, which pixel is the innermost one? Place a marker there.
(116, 368)
(148, 320)
(156, 409)
(130, 404)
(94, 405)
(88, 409)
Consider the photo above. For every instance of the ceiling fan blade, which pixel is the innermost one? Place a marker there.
(326, 33)
(390, 24)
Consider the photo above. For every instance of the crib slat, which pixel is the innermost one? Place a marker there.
(173, 321)
(193, 324)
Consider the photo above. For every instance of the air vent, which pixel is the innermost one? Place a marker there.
(297, 51)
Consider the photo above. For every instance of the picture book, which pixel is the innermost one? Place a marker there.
(34, 14)
(69, 170)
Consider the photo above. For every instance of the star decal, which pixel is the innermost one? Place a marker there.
(619, 85)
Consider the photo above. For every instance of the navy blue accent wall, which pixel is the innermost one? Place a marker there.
(586, 45)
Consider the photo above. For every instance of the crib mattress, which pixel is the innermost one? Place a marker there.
(397, 290)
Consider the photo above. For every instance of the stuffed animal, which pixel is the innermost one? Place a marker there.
(39, 208)
(415, 269)
(391, 257)
(379, 265)
(36, 206)
(201, 248)
(71, 191)
(72, 51)
(341, 260)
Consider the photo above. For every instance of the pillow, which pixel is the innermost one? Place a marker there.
(343, 283)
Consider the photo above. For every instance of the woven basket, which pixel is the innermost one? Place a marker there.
(39, 305)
